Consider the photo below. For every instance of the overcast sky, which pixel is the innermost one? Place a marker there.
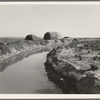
(69, 20)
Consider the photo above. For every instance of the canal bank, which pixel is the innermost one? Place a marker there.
(71, 79)
(11, 58)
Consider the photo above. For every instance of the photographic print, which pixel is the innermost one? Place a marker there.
(49, 48)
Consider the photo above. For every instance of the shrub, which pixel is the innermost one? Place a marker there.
(94, 67)
(78, 56)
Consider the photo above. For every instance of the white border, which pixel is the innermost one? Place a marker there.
(51, 3)
(49, 96)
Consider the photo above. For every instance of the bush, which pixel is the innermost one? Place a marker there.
(94, 67)
(78, 56)
(4, 48)
(95, 57)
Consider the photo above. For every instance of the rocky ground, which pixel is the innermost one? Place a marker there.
(75, 71)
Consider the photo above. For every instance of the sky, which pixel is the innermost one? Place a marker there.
(68, 20)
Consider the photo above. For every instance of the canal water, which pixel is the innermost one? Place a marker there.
(27, 76)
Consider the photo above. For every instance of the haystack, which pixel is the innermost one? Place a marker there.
(52, 36)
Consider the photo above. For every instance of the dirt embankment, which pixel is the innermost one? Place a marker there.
(72, 77)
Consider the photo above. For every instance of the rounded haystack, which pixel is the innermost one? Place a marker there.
(52, 36)
(32, 37)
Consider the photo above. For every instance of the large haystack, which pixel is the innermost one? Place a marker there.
(32, 37)
(52, 36)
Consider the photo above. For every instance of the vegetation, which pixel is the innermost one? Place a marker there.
(11, 45)
(10, 39)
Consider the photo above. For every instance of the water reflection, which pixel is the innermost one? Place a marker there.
(26, 76)
(47, 91)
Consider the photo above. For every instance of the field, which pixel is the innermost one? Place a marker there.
(9, 45)
(83, 52)
(10, 39)
(76, 65)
